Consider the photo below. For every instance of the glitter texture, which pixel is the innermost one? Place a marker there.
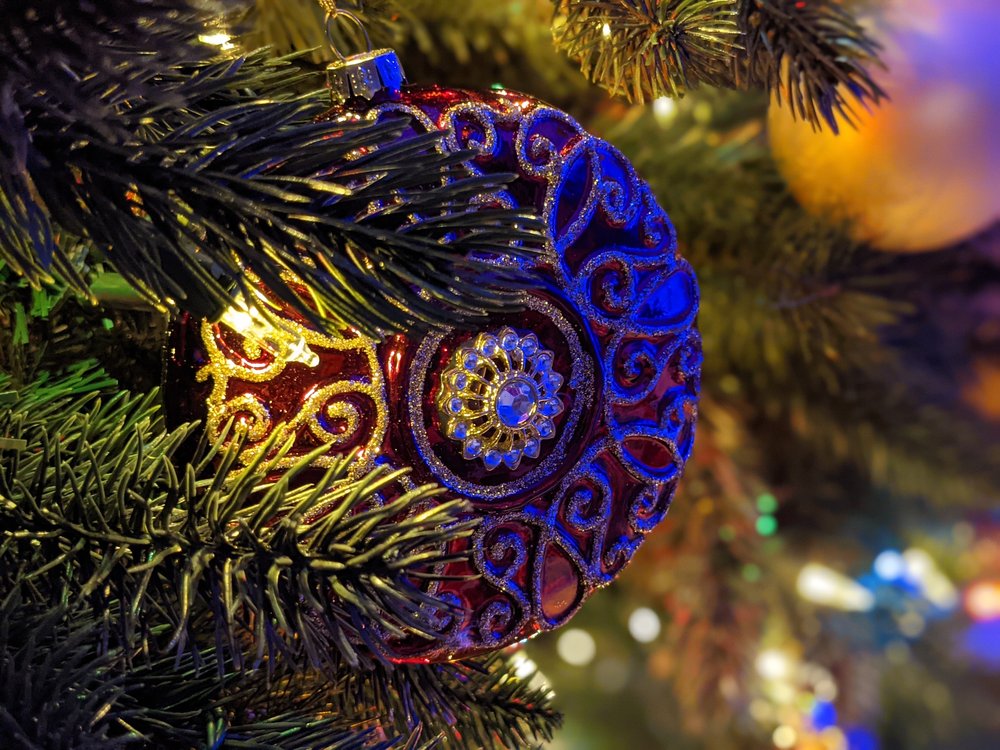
(566, 424)
(504, 401)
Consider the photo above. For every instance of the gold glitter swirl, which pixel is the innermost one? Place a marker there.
(228, 372)
(321, 404)
(252, 418)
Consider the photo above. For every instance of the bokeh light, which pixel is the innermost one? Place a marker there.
(982, 600)
(664, 109)
(644, 625)
(773, 664)
(823, 585)
(889, 565)
(767, 503)
(784, 737)
(576, 647)
(767, 525)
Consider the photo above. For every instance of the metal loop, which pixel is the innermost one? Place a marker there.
(331, 17)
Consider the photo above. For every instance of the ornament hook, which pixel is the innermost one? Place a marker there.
(361, 75)
(332, 14)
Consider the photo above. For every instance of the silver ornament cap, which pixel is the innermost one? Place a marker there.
(363, 75)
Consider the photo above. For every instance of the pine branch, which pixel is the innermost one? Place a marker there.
(474, 703)
(286, 26)
(472, 44)
(187, 174)
(53, 686)
(480, 703)
(44, 36)
(58, 689)
(94, 510)
(812, 57)
(644, 49)
(56, 683)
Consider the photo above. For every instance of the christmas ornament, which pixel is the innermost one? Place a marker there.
(566, 424)
(923, 170)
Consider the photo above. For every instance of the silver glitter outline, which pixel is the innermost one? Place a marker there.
(581, 380)
(619, 208)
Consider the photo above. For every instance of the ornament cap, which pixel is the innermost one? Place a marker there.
(363, 75)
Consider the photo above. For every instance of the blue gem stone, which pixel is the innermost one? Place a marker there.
(472, 448)
(551, 382)
(531, 447)
(471, 361)
(455, 405)
(461, 430)
(545, 428)
(512, 458)
(550, 407)
(492, 460)
(516, 402)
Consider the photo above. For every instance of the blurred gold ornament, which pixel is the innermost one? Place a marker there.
(922, 171)
(982, 392)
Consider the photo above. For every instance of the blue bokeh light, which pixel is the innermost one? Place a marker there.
(982, 642)
(824, 715)
(861, 738)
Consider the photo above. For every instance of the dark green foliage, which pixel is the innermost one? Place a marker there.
(188, 173)
(46, 327)
(477, 703)
(643, 49)
(813, 56)
(53, 684)
(96, 496)
(826, 51)
(113, 554)
(60, 691)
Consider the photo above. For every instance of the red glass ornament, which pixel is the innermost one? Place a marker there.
(566, 424)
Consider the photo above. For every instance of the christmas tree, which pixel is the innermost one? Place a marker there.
(180, 191)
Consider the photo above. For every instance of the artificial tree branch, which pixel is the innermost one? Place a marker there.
(60, 689)
(97, 508)
(486, 702)
(812, 56)
(185, 172)
(643, 49)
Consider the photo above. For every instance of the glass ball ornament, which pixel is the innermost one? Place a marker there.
(565, 424)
